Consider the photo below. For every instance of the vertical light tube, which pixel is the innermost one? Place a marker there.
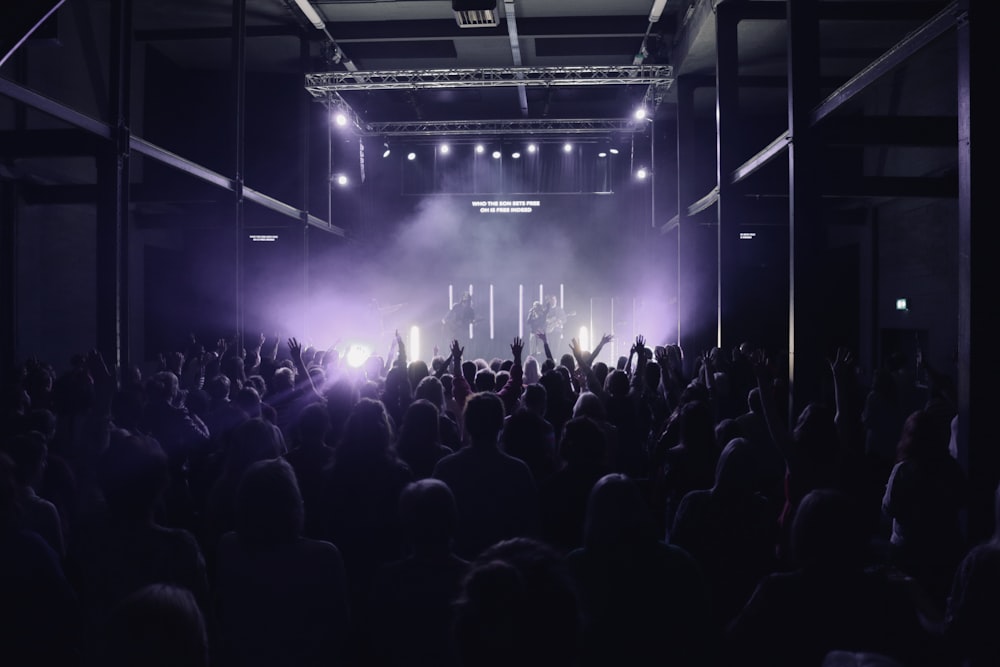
(562, 295)
(414, 342)
(541, 294)
(584, 339)
(470, 323)
(591, 313)
(451, 297)
(614, 343)
(520, 312)
(491, 311)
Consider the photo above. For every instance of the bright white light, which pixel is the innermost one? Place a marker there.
(567, 148)
(444, 149)
(387, 150)
(515, 155)
(614, 151)
(414, 351)
(584, 338)
(496, 155)
(311, 14)
(340, 119)
(480, 148)
(641, 173)
(640, 113)
(411, 156)
(602, 154)
(357, 354)
(532, 148)
(341, 179)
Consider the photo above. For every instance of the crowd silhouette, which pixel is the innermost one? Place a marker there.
(241, 507)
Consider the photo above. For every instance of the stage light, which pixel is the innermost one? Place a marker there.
(411, 156)
(387, 150)
(357, 355)
(584, 338)
(341, 179)
(532, 148)
(480, 148)
(640, 113)
(602, 154)
(496, 155)
(515, 155)
(414, 351)
(614, 151)
(444, 149)
(340, 119)
(641, 173)
(567, 148)
(311, 13)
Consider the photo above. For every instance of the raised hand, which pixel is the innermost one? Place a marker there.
(843, 363)
(456, 350)
(540, 335)
(640, 344)
(516, 348)
(295, 349)
(607, 338)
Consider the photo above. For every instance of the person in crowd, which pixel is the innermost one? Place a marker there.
(925, 493)
(419, 444)
(281, 598)
(528, 436)
(412, 611)
(159, 625)
(973, 608)
(518, 605)
(829, 601)
(496, 494)
(309, 456)
(644, 602)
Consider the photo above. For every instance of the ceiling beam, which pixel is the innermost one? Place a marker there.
(321, 83)
(525, 126)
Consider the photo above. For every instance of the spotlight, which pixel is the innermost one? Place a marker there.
(411, 156)
(387, 150)
(444, 149)
(515, 155)
(602, 154)
(613, 151)
(532, 148)
(357, 354)
(496, 155)
(567, 148)
(414, 342)
(340, 119)
(640, 113)
(480, 148)
(341, 179)
(641, 173)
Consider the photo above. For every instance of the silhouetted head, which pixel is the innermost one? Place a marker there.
(484, 415)
(421, 425)
(417, 370)
(28, 452)
(531, 371)
(159, 625)
(925, 437)
(828, 533)
(617, 383)
(535, 398)
(590, 405)
(253, 440)
(568, 360)
(162, 387)
(132, 474)
(313, 423)
(248, 400)
(218, 387)
(697, 429)
(269, 506)
(367, 437)
(583, 443)
(485, 381)
(431, 389)
(736, 470)
(428, 512)
(617, 515)
(518, 606)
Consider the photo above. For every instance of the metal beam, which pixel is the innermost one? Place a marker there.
(525, 126)
(139, 145)
(705, 202)
(320, 84)
(895, 56)
(766, 155)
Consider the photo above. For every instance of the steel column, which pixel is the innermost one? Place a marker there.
(727, 126)
(806, 232)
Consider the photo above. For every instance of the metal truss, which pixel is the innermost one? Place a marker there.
(322, 84)
(560, 126)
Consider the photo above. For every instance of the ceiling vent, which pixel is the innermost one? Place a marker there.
(476, 13)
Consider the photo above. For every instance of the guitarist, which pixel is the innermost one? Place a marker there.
(459, 318)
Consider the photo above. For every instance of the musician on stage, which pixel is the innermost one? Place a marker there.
(547, 317)
(459, 318)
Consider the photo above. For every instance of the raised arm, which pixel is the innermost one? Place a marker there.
(303, 377)
(541, 335)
